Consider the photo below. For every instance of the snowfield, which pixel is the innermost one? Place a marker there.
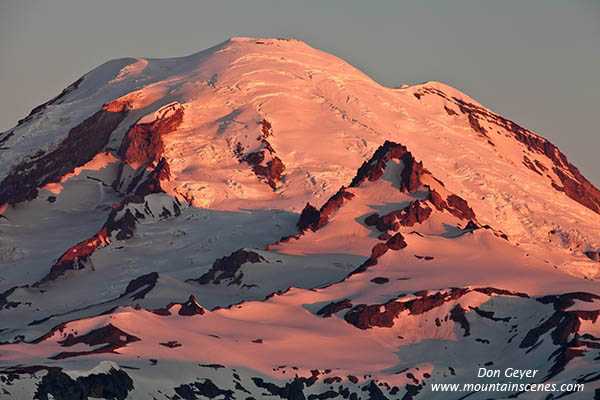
(262, 220)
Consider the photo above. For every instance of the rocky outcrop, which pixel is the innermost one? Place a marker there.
(332, 205)
(152, 183)
(81, 145)
(139, 287)
(291, 391)
(191, 307)
(143, 144)
(365, 316)
(457, 314)
(226, 268)
(110, 336)
(309, 218)
(120, 224)
(78, 256)
(571, 181)
(373, 169)
(271, 172)
(115, 384)
(332, 308)
(454, 204)
(142, 147)
(187, 309)
(205, 389)
(56, 100)
(415, 213)
(396, 242)
(529, 164)
(593, 255)
(563, 326)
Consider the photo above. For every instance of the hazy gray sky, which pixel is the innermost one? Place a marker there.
(536, 62)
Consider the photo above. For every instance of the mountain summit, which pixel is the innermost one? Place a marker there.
(263, 219)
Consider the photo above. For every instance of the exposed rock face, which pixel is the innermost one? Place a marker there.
(143, 144)
(79, 147)
(564, 327)
(271, 171)
(454, 204)
(593, 255)
(332, 205)
(572, 182)
(152, 183)
(380, 280)
(147, 282)
(309, 218)
(414, 213)
(143, 147)
(110, 336)
(226, 268)
(382, 315)
(115, 384)
(56, 100)
(314, 219)
(291, 391)
(365, 316)
(396, 242)
(373, 169)
(457, 314)
(529, 164)
(78, 256)
(187, 309)
(206, 389)
(334, 307)
(191, 307)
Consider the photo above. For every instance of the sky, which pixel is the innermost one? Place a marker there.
(536, 62)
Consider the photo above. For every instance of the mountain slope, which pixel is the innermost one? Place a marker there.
(231, 223)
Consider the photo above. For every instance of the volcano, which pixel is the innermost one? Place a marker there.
(262, 220)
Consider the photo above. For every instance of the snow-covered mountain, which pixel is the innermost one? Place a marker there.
(262, 220)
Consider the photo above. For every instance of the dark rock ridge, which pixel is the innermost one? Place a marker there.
(226, 268)
(152, 183)
(187, 309)
(593, 255)
(373, 169)
(110, 336)
(115, 385)
(271, 171)
(454, 204)
(415, 213)
(572, 182)
(56, 100)
(365, 316)
(145, 282)
(205, 389)
(563, 326)
(143, 146)
(78, 256)
(332, 308)
(122, 227)
(80, 146)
